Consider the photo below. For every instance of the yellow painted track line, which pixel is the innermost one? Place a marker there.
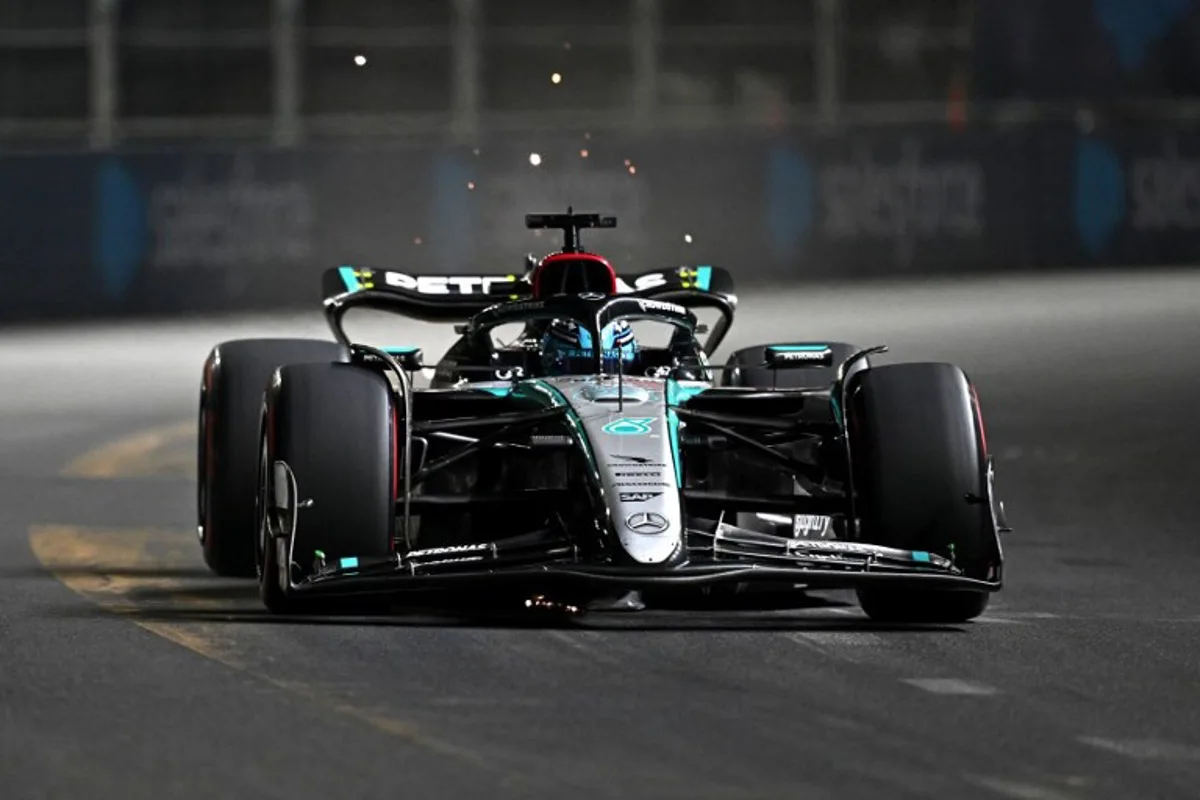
(166, 451)
(130, 572)
(115, 568)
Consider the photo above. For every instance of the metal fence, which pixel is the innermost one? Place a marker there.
(161, 156)
(118, 71)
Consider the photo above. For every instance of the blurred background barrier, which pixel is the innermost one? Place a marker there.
(160, 158)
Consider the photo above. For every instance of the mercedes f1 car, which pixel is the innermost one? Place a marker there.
(325, 471)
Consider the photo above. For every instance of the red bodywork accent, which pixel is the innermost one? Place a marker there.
(979, 416)
(593, 273)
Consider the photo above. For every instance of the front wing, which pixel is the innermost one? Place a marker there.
(738, 556)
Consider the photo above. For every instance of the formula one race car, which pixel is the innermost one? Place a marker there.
(577, 464)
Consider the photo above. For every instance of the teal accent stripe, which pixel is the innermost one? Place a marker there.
(704, 277)
(350, 279)
(349, 563)
(798, 348)
(677, 395)
(399, 350)
(673, 432)
(920, 555)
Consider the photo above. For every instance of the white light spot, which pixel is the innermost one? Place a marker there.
(556, 78)
(360, 60)
(417, 240)
(632, 170)
(951, 686)
(687, 237)
(471, 185)
(535, 159)
(583, 153)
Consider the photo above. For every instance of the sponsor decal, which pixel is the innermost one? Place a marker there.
(784, 355)
(510, 374)
(659, 305)
(647, 522)
(804, 524)
(443, 284)
(629, 426)
(903, 200)
(826, 546)
(642, 460)
(220, 216)
(637, 497)
(1165, 191)
(648, 473)
(640, 483)
(460, 548)
(643, 282)
(548, 439)
(531, 305)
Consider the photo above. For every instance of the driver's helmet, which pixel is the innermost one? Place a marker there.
(567, 347)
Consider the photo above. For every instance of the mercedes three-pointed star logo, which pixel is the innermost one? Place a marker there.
(646, 522)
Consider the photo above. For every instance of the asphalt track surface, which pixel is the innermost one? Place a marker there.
(127, 671)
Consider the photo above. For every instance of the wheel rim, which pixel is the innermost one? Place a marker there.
(202, 471)
(260, 513)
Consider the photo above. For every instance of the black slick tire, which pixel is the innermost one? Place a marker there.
(919, 461)
(234, 379)
(334, 426)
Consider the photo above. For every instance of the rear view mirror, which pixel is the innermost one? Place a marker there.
(798, 356)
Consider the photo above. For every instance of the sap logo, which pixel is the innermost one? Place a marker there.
(637, 497)
(438, 284)
(658, 305)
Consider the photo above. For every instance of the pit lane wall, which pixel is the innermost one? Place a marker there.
(224, 228)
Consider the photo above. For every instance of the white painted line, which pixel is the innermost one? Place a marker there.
(1146, 749)
(836, 639)
(1000, 621)
(951, 686)
(1020, 791)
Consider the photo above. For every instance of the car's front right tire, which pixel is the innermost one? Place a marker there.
(234, 378)
(335, 426)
